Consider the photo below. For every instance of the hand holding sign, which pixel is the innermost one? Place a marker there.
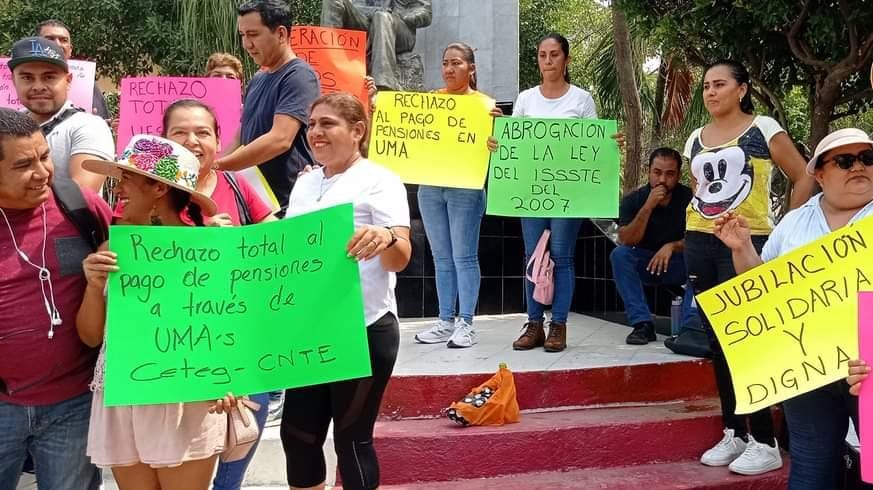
(858, 372)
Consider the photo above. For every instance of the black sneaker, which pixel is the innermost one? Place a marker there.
(644, 332)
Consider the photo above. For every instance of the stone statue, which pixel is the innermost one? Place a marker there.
(390, 26)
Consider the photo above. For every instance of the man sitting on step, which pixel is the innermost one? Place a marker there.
(651, 231)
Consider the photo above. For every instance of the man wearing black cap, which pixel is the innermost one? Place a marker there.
(57, 31)
(42, 80)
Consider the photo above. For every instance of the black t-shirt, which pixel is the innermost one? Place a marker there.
(290, 90)
(666, 223)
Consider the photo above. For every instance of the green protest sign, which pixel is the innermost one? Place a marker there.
(554, 168)
(196, 312)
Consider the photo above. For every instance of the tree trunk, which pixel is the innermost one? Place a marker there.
(827, 94)
(630, 95)
(660, 95)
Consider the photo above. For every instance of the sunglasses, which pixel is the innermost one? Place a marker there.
(846, 160)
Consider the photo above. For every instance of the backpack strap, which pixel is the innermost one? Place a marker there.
(245, 215)
(74, 206)
(48, 128)
(540, 255)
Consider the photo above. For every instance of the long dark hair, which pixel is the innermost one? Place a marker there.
(565, 47)
(468, 55)
(188, 104)
(181, 201)
(741, 75)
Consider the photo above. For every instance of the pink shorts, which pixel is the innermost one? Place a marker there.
(160, 436)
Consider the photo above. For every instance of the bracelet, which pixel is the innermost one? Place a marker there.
(393, 237)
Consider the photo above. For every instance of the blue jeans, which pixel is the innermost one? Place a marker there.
(629, 270)
(562, 247)
(452, 218)
(56, 437)
(230, 475)
(817, 424)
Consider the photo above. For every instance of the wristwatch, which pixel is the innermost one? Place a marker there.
(393, 237)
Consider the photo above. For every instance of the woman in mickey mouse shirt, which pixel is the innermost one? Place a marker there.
(732, 160)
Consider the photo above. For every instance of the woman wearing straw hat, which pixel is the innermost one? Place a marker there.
(165, 446)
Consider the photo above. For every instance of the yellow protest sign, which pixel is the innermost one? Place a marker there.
(433, 139)
(790, 325)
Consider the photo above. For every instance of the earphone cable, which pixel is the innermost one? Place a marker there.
(44, 273)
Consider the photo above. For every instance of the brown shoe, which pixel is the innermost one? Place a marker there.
(557, 340)
(533, 336)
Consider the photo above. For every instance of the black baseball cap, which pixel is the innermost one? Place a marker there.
(32, 49)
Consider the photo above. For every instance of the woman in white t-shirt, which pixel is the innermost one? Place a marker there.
(337, 134)
(555, 97)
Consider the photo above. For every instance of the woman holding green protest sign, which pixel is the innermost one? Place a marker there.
(193, 124)
(732, 159)
(167, 446)
(337, 133)
(555, 97)
(451, 218)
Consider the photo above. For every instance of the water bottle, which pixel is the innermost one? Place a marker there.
(676, 315)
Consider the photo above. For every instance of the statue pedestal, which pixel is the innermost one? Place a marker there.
(411, 72)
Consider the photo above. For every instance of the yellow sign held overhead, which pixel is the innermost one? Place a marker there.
(790, 325)
(433, 139)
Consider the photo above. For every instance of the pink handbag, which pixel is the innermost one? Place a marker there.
(540, 271)
(242, 430)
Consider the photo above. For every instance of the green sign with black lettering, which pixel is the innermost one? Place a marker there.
(196, 312)
(554, 168)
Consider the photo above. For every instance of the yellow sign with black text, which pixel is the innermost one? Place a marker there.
(790, 325)
(433, 139)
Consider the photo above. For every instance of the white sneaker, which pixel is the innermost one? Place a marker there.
(464, 335)
(757, 459)
(437, 334)
(728, 449)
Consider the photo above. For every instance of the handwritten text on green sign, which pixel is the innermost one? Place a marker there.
(555, 168)
(197, 312)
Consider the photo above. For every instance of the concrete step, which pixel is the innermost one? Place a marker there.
(409, 396)
(543, 441)
(547, 441)
(680, 475)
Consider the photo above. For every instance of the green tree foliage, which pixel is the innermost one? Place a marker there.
(123, 37)
(536, 18)
(821, 46)
(143, 36)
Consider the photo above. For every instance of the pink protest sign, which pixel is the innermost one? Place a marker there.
(143, 100)
(865, 403)
(81, 88)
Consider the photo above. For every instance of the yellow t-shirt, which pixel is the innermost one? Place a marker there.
(475, 92)
(733, 176)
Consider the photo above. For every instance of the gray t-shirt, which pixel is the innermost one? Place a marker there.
(80, 133)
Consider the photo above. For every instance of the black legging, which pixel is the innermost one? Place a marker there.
(353, 405)
(708, 259)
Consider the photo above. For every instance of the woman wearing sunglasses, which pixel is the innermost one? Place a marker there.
(817, 421)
